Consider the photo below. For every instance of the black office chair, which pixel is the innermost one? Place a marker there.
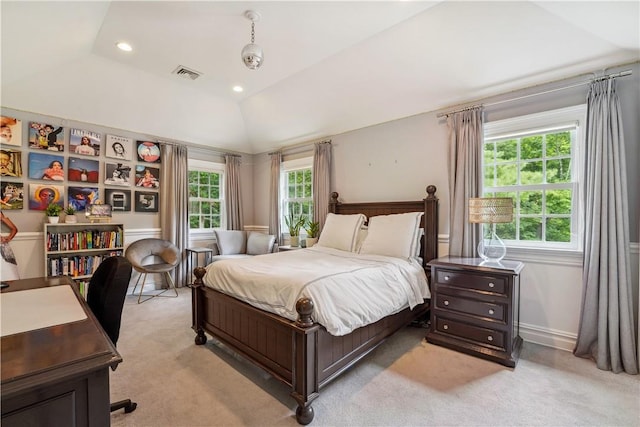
(107, 290)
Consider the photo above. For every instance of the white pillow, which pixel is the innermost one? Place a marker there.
(341, 231)
(393, 235)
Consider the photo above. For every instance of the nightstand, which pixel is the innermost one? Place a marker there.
(288, 248)
(475, 307)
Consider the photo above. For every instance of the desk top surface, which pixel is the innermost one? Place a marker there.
(54, 352)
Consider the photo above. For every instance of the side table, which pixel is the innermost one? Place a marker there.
(288, 248)
(193, 260)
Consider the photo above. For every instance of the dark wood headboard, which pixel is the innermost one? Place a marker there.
(429, 220)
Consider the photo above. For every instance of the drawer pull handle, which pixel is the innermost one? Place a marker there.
(491, 311)
(446, 302)
(446, 278)
(489, 338)
(491, 285)
(445, 327)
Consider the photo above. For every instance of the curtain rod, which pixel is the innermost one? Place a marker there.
(302, 144)
(606, 77)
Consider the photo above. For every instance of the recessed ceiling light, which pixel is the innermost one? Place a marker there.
(238, 89)
(124, 46)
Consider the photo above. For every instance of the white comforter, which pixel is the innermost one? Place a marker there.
(348, 290)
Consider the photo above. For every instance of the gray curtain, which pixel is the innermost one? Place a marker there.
(274, 196)
(465, 172)
(321, 181)
(174, 203)
(606, 332)
(232, 194)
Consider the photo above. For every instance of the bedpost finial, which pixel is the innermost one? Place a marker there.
(199, 272)
(304, 307)
(334, 197)
(431, 191)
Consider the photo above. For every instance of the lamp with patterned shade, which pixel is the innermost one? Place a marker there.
(491, 210)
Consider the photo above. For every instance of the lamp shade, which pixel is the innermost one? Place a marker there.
(490, 210)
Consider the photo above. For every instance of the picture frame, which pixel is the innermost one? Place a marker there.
(117, 174)
(99, 210)
(80, 198)
(48, 167)
(83, 170)
(11, 163)
(147, 177)
(40, 195)
(11, 195)
(118, 147)
(84, 142)
(10, 131)
(148, 152)
(120, 200)
(44, 136)
(146, 201)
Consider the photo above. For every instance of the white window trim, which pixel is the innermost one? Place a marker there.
(290, 166)
(547, 121)
(207, 166)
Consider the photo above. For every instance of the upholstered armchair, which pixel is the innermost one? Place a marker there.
(241, 244)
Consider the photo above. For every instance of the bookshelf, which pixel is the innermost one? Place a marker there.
(76, 250)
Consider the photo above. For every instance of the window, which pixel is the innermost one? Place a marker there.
(297, 189)
(206, 198)
(535, 160)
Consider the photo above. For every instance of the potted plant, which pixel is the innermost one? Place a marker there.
(294, 224)
(70, 215)
(312, 228)
(53, 212)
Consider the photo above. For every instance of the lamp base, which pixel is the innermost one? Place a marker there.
(492, 249)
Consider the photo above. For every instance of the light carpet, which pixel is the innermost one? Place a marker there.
(405, 382)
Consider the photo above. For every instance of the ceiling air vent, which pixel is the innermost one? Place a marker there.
(186, 73)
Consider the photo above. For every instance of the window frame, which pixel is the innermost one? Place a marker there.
(286, 167)
(212, 167)
(535, 124)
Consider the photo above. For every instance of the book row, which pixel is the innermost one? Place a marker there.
(85, 239)
(77, 266)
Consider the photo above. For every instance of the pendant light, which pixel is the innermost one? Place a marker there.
(252, 53)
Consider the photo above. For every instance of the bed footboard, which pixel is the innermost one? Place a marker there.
(300, 354)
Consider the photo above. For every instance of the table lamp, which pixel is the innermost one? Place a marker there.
(491, 210)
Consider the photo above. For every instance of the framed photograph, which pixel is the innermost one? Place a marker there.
(10, 131)
(146, 201)
(99, 210)
(83, 170)
(12, 194)
(118, 147)
(117, 174)
(11, 163)
(147, 177)
(40, 195)
(84, 142)
(120, 200)
(148, 151)
(82, 197)
(46, 166)
(44, 136)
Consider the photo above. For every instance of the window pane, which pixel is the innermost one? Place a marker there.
(531, 173)
(506, 231)
(194, 221)
(215, 179)
(530, 202)
(194, 207)
(558, 230)
(193, 177)
(205, 208)
(559, 201)
(203, 191)
(206, 222)
(193, 190)
(559, 170)
(531, 147)
(488, 154)
(215, 208)
(559, 144)
(506, 175)
(215, 192)
(530, 229)
(507, 150)
(204, 178)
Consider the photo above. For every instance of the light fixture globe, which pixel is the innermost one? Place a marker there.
(251, 54)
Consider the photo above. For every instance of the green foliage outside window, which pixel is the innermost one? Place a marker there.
(299, 194)
(536, 171)
(205, 204)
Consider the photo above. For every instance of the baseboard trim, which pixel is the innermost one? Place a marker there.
(560, 340)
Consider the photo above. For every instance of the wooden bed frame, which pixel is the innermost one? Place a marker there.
(301, 353)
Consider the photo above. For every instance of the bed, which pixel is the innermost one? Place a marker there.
(301, 353)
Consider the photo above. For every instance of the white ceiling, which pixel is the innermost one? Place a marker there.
(329, 67)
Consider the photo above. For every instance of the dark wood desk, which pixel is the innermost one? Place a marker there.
(57, 375)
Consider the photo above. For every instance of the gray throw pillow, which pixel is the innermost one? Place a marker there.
(231, 242)
(259, 243)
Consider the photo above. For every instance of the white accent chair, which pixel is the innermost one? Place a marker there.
(155, 256)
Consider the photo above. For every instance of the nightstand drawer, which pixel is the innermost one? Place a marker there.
(482, 336)
(472, 307)
(481, 282)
